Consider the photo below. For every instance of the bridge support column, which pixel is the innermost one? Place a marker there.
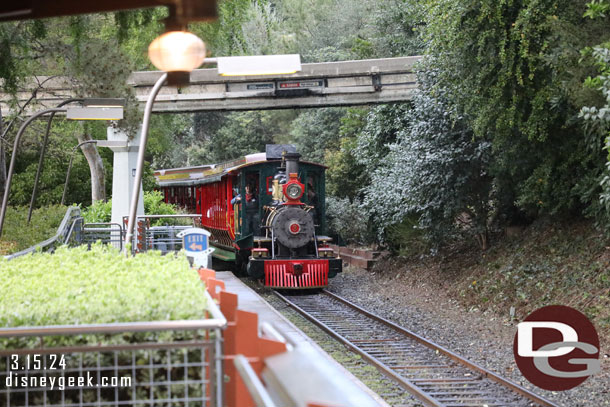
(123, 174)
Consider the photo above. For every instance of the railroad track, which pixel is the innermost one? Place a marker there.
(431, 373)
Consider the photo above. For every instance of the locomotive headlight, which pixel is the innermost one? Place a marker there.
(294, 191)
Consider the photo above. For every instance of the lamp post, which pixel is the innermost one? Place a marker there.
(81, 113)
(177, 53)
(227, 66)
(11, 167)
(42, 155)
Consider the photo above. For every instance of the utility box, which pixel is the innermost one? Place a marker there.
(195, 242)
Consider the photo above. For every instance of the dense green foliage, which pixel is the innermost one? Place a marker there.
(493, 136)
(62, 141)
(597, 118)
(509, 125)
(101, 212)
(514, 70)
(18, 235)
(100, 285)
(438, 170)
(98, 212)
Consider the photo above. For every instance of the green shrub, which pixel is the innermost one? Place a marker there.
(407, 238)
(155, 205)
(348, 219)
(101, 212)
(98, 212)
(79, 286)
(17, 235)
(100, 285)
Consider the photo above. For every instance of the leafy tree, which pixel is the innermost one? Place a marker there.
(62, 140)
(597, 118)
(243, 133)
(345, 176)
(341, 214)
(515, 68)
(435, 170)
(328, 30)
(382, 125)
(397, 28)
(244, 27)
(316, 130)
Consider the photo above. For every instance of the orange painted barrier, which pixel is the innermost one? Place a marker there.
(240, 338)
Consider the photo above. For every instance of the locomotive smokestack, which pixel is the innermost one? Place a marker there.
(292, 163)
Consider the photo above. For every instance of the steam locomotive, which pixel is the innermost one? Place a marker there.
(265, 213)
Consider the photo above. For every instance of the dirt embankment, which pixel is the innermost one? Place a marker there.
(470, 301)
(544, 264)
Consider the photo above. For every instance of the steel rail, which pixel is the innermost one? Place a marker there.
(410, 386)
(406, 384)
(452, 355)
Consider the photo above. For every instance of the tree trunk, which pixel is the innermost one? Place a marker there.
(96, 166)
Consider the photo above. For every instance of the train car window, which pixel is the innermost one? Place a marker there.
(311, 189)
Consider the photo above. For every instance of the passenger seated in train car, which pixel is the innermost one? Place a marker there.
(236, 196)
(250, 197)
(251, 208)
(312, 197)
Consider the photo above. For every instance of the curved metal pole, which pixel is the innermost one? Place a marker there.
(63, 196)
(11, 167)
(135, 195)
(42, 154)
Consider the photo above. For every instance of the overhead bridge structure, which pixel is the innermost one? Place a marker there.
(316, 85)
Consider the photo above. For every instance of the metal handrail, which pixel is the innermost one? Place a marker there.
(102, 224)
(185, 215)
(64, 230)
(255, 387)
(114, 328)
(72, 227)
(276, 334)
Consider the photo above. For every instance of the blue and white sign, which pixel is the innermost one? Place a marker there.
(195, 243)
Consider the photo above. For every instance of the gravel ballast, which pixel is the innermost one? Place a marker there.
(483, 338)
